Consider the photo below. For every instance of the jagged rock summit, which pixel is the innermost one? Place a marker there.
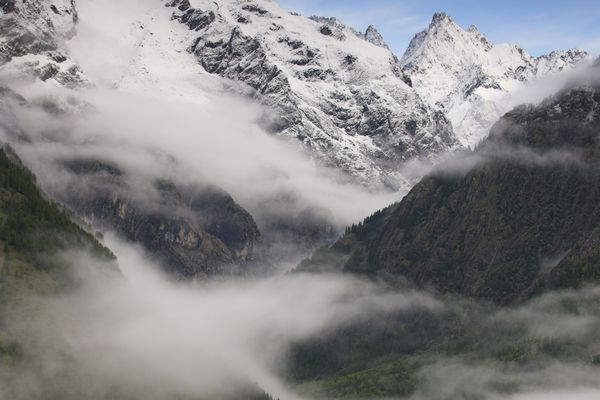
(335, 90)
(372, 35)
(469, 78)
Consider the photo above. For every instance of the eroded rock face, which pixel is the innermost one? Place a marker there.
(196, 232)
(31, 37)
(326, 85)
(7, 6)
(372, 35)
(34, 26)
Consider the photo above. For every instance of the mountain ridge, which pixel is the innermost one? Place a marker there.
(340, 95)
(517, 218)
(470, 78)
(356, 108)
(326, 85)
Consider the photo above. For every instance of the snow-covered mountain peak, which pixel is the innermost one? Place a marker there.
(447, 43)
(372, 35)
(327, 86)
(341, 94)
(468, 77)
(440, 18)
(558, 60)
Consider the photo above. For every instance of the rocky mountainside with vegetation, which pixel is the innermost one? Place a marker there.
(45, 252)
(507, 238)
(39, 241)
(194, 232)
(480, 284)
(518, 215)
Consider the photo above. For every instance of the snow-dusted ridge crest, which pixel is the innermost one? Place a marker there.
(471, 79)
(338, 92)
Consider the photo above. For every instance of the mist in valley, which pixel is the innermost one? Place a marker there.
(142, 334)
(139, 332)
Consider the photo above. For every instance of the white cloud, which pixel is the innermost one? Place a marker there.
(153, 338)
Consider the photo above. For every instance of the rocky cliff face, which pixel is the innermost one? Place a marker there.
(34, 27)
(195, 232)
(31, 36)
(525, 218)
(469, 78)
(337, 91)
(372, 35)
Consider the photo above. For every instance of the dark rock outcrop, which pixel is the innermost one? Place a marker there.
(195, 232)
(372, 35)
(34, 26)
(32, 34)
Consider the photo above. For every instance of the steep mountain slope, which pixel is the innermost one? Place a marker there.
(342, 94)
(195, 232)
(34, 234)
(470, 78)
(31, 226)
(46, 257)
(516, 218)
(32, 34)
(338, 91)
(325, 84)
(524, 218)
